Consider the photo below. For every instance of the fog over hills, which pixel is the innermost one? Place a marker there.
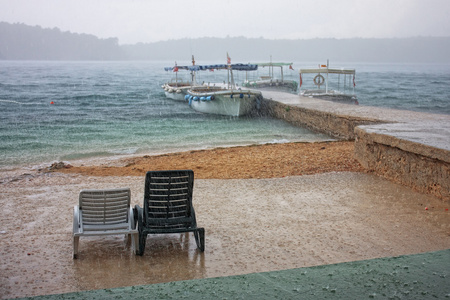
(23, 42)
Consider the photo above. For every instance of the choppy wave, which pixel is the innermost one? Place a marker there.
(282, 141)
(21, 103)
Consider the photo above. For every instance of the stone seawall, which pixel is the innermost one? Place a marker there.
(406, 147)
(335, 125)
(423, 167)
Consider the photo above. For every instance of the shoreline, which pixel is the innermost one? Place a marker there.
(237, 162)
(122, 159)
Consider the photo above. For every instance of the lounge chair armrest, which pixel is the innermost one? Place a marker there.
(132, 217)
(139, 215)
(193, 216)
(76, 219)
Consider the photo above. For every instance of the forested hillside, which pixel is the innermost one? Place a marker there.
(20, 41)
(23, 42)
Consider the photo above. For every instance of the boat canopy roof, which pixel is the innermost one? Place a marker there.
(329, 71)
(238, 67)
(273, 64)
(179, 68)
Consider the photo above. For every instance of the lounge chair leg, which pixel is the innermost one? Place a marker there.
(142, 240)
(135, 242)
(76, 240)
(199, 235)
(127, 239)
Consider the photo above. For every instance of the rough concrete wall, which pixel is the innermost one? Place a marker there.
(338, 126)
(418, 166)
(393, 161)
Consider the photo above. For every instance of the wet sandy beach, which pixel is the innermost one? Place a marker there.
(252, 225)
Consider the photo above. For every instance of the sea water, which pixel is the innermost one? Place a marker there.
(67, 111)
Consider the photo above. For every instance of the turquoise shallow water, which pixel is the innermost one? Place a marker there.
(109, 109)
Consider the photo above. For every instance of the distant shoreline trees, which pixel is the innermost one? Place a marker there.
(24, 42)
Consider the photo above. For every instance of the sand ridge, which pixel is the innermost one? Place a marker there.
(243, 162)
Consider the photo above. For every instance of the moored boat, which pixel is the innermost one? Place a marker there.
(228, 99)
(222, 101)
(272, 81)
(340, 89)
(177, 88)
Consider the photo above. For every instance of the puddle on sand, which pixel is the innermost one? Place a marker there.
(107, 263)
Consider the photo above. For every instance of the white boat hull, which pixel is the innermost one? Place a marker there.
(175, 92)
(175, 96)
(228, 103)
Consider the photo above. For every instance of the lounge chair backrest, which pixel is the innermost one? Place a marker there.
(104, 207)
(104, 212)
(168, 199)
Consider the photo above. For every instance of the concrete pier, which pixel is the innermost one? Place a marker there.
(410, 148)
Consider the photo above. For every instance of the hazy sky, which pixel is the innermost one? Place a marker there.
(134, 21)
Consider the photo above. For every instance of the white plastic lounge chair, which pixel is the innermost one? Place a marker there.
(104, 212)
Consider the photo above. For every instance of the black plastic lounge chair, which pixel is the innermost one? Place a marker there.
(168, 206)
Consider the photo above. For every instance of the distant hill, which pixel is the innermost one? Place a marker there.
(23, 42)
(418, 49)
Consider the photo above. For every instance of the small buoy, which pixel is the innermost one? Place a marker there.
(52, 102)
(426, 208)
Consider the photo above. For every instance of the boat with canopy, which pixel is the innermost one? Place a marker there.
(227, 99)
(177, 88)
(335, 84)
(273, 80)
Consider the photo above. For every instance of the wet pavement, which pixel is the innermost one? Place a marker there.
(420, 276)
(252, 226)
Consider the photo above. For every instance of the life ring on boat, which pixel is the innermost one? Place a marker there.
(319, 80)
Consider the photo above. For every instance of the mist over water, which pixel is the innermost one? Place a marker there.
(111, 109)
